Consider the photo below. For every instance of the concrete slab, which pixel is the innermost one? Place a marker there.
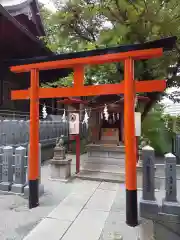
(49, 229)
(86, 186)
(120, 199)
(71, 206)
(146, 231)
(65, 213)
(81, 194)
(109, 186)
(101, 200)
(77, 199)
(116, 228)
(88, 226)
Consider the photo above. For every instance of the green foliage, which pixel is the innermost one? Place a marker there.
(88, 24)
(155, 130)
(158, 129)
(63, 82)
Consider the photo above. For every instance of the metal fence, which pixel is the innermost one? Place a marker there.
(16, 132)
(164, 211)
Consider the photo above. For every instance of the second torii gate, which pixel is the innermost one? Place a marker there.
(129, 86)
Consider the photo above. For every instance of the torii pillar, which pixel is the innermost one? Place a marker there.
(129, 86)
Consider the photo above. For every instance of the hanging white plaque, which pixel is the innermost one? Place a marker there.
(137, 124)
(74, 123)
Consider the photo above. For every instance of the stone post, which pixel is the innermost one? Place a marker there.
(166, 219)
(148, 203)
(40, 130)
(26, 127)
(41, 187)
(47, 132)
(21, 134)
(170, 204)
(6, 131)
(4, 138)
(140, 163)
(139, 167)
(14, 132)
(148, 173)
(20, 170)
(139, 170)
(1, 161)
(7, 169)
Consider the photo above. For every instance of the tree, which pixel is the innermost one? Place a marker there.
(155, 129)
(160, 129)
(89, 24)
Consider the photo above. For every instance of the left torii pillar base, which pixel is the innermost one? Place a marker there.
(40, 189)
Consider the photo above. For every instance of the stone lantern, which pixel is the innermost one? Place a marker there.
(60, 165)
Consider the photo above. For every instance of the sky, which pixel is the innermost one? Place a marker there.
(48, 4)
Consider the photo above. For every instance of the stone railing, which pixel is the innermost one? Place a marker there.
(14, 168)
(160, 209)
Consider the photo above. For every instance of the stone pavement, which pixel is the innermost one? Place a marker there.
(81, 215)
(77, 210)
(92, 211)
(16, 220)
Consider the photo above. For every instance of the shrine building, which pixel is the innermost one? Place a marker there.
(21, 27)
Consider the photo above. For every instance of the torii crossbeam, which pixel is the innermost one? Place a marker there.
(129, 87)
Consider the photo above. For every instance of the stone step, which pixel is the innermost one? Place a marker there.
(107, 153)
(103, 167)
(101, 176)
(105, 148)
(112, 177)
(108, 156)
(108, 161)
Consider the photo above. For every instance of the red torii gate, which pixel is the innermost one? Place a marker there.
(129, 87)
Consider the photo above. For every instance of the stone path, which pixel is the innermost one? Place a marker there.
(92, 211)
(78, 209)
(81, 215)
(16, 220)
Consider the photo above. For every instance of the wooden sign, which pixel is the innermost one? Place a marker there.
(110, 135)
